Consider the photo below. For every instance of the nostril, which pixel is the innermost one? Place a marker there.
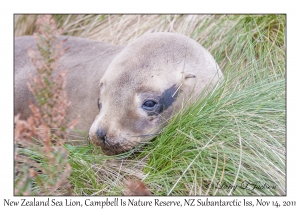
(101, 134)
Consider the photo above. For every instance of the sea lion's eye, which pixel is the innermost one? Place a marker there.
(149, 105)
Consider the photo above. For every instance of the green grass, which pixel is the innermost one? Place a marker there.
(229, 138)
(236, 135)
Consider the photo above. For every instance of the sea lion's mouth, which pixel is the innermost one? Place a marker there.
(108, 148)
(110, 151)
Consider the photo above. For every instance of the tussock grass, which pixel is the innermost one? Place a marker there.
(235, 136)
(227, 139)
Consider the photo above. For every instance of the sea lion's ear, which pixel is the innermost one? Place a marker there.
(189, 75)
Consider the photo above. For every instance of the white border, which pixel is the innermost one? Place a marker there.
(154, 6)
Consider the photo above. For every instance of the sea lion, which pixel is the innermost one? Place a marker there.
(141, 85)
(145, 84)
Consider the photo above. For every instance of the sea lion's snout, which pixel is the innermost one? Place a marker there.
(107, 143)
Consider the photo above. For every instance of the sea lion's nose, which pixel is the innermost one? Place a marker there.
(101, 134)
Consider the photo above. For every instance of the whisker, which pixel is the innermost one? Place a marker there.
(143, 135)
(145, 142)
(176, 90)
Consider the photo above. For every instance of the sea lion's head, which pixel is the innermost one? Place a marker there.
(148, 82)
